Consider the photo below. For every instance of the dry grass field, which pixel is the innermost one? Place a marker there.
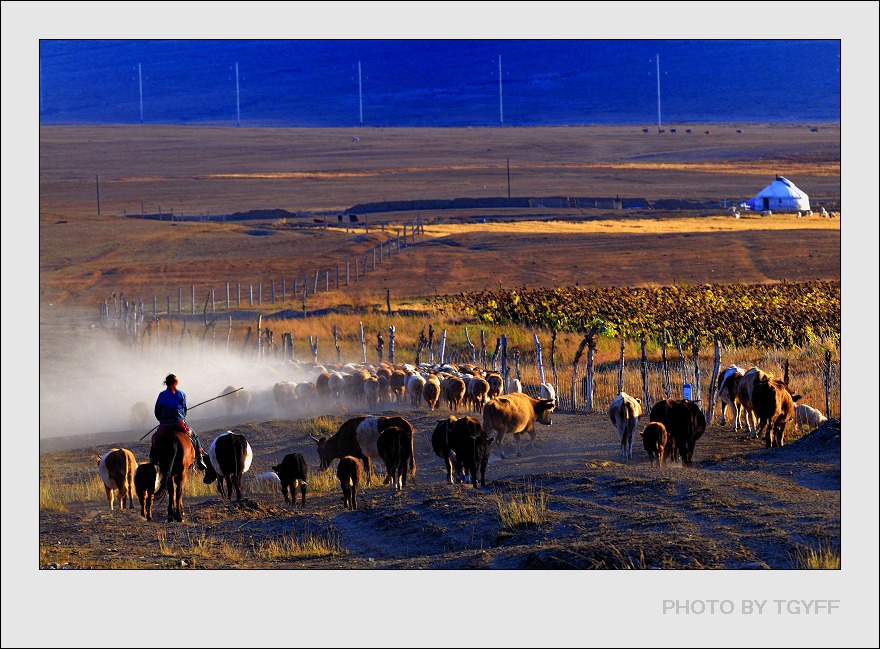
(568, 503)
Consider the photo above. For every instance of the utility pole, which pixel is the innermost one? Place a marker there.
(500, 95)
(360, 94)
(237, 98)
(141, 92)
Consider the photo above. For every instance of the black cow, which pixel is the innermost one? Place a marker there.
(231, 457)
(685, 423)
(349, 471)
(463, 446)
(292, 472)
(147, 480)
(395, 446)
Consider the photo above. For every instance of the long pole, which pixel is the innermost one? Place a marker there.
(195, 406)
(360, 94)
(141, 92)
(658, 94)
(500, 95)
(237, 98)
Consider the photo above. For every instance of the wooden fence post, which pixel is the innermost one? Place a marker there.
(620, 367)
(442, 346)
(828, 383)
(227, 296)
(193, 300)
(716, 366)
(391, 331)
(540, 358)
(363, 343)
(471, 345)
(505, 372)
(666, 384)
(336, 344)
(646, 396)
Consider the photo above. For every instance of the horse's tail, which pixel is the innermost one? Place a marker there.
(166, 466)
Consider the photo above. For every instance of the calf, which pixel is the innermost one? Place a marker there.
(292, 472)
(395, 446)
(655, 440)
(116, 469)
(349, 471)
(147, 481)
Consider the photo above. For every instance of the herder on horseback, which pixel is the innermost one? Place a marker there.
(170, 410)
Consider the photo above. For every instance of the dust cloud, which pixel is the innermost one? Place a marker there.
(91, 381)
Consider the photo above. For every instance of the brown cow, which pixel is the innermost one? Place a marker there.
(453, 390)
(516, 413)
(116, 469)
(478, 393)
(349, 473)
(774, 407)
(655, 440)
(464, 448)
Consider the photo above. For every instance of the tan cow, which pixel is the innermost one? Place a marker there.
(744, 395)
(116, 469)
(431, 391)
(516, 413)
(478, 393)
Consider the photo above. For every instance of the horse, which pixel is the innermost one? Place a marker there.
(174, 454)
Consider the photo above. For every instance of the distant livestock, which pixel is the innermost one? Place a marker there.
(453, 390)
(431, 392)
(516, 414)
(349, 473)
(293, 472)
(624, 413)
(684, 422)
(116, 468)
(231, 458)
(140, 414)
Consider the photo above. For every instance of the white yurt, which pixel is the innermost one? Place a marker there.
(782, 196)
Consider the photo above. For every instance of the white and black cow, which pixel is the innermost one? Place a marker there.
(231, 457)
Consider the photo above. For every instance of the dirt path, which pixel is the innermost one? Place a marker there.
(741, 506)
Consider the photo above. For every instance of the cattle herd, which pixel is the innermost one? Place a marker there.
(463, 440)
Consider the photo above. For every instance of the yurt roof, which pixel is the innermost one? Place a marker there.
(781, 188)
